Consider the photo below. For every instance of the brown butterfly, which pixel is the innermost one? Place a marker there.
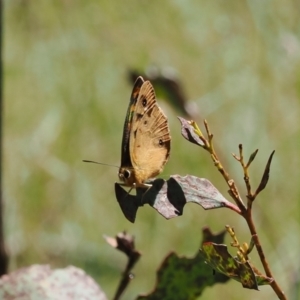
(146, 139)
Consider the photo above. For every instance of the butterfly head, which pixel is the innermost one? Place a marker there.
(132, 178)
(127, 176)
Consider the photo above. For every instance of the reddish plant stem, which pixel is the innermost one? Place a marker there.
(246, 212)
(274, 285)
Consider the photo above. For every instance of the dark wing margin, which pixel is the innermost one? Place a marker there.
(125, 147)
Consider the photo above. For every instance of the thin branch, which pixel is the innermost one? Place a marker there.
(208, 146)
(234, 193)
(262, 256)
(125, 243)
(245, 168)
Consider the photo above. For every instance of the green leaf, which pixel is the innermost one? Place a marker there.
(220, 260)
(183, 278)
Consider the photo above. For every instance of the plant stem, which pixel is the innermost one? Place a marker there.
(274, 285)
(246, 212)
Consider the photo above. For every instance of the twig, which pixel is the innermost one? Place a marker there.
(255, 238)
(208, 146)
(246, 212)
(125, 243)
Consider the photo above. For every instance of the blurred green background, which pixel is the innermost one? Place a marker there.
(66, 94)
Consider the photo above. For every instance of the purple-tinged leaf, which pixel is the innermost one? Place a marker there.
(169, 197)
(188, 132)
(200, 191)
(158, 197)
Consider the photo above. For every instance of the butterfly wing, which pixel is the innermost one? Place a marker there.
(149, 137)
(125, 149)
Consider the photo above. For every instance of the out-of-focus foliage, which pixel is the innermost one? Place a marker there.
(66, 93)
(40, 282)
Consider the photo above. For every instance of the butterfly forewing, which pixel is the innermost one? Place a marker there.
(150, 139)
(146, 137)
(125, 151)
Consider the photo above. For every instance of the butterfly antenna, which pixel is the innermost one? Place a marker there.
(98, 163)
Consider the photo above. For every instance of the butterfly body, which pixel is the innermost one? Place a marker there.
(146, 137)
